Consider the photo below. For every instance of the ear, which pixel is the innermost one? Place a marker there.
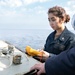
(61, 20)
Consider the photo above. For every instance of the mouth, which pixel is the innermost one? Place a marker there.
(52, 26)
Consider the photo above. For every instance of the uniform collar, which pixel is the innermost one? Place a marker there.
(62, 36)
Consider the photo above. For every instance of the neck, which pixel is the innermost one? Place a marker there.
(60, 30)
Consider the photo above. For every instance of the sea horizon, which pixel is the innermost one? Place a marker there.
(21, 38)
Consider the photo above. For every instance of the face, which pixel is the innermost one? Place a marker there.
(54, 21)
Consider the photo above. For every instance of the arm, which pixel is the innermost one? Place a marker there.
(62, 64)
(71, 42)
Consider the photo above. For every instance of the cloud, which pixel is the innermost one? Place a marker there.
(15, 3)
(38, 10)
(70, 7)
(14, 7)
(11, 3)
(29, 12)
(5, 12)
(2, 3)
(33, 1)
(18, 3)
(70, 2)
(70, 10)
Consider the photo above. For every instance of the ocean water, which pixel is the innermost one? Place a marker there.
(25, 37)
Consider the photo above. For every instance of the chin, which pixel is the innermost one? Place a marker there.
(54, 28)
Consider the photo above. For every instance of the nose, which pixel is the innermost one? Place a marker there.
(51, 24)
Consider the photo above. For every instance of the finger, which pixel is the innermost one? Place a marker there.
(39, 72)
(38, 49)
(34, 67)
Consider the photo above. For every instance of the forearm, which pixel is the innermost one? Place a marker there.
(62, 64)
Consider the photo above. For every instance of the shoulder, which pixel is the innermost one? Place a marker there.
(69, 33)
(51, 34)
(53, 66)
(71, 36)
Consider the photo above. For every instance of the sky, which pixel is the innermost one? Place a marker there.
(31, 14)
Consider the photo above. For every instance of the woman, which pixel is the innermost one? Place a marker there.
(61, 38)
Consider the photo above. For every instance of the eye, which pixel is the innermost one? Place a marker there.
(53, 19)
(48, 19)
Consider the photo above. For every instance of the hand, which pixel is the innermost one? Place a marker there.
(45, 54)
(40, 67)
